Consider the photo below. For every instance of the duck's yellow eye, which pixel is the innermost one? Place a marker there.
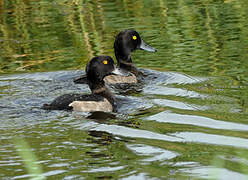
(134, 37)
(105, 62)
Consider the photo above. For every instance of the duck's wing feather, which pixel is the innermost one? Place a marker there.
(81, 80)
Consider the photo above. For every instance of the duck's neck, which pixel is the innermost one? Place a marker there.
(99, 88)
(124, 61)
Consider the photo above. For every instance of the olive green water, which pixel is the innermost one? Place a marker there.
(189, 120)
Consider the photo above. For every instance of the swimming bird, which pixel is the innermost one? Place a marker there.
(126, 42)
(101, 99)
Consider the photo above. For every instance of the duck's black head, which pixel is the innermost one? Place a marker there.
(126, 42)
(98, 68)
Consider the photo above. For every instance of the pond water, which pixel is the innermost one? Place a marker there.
(189, 120)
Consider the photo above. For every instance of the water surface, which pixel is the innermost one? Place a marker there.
(187, 120)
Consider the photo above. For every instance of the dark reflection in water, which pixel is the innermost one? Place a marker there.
(189, 112)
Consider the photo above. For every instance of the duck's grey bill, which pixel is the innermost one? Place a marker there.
(118, 71)
(146, 47)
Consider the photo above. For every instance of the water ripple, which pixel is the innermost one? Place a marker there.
(157, 154)
(219, 140)
(169, 91)
(192, 137)
(168, 117)
(214, 173)
(105, 169)
(177, 104)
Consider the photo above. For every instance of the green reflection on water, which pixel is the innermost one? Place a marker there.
(197, 37)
